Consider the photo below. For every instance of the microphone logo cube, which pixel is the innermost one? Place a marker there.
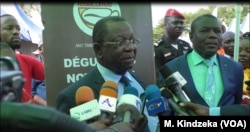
(107, 103)
(85, 111)
(156, 106)
(179, 78)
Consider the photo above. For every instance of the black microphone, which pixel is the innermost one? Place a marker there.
(167, 94)
(174, 82)
(11, 80)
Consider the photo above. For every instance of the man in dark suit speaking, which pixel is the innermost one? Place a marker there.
(115, 47)
(17, 116)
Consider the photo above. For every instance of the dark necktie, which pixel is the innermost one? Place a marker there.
(125, 81)
(210, 84)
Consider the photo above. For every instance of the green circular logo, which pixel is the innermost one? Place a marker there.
(86, 14)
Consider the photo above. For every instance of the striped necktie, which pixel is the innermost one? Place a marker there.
(125, 81)
(210, 84)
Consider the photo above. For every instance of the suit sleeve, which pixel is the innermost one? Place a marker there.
(235, 110)
(61, 104)
(239, 82)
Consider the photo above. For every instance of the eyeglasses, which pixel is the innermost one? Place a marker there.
(124, 43)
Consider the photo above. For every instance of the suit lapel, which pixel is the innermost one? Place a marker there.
(190, 86)
(225, 67)
(96, 82)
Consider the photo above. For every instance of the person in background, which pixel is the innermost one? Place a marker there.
(221, 50)
(226, 87)
(115, 47)
(39, 92)
(244, 59)
(223, 27)
(170, 46)
(228, 44)
(5, 50)
(38, 53)
(31, 68)
(39, 87)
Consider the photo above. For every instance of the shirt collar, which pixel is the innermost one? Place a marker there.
(110, 75)
(197, 59)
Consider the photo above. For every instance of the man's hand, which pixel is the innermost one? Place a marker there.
(198, 109)
(141, 124)
(101, 124)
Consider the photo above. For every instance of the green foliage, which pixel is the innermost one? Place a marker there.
(158, 31)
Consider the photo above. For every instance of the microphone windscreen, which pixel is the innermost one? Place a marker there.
(131, 90)
(152, 92)
(109, 88)
(84, 94)
(165, 71)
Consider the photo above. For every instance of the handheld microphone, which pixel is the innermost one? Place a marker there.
(174, 82)
(166, 93)
(129, 105)
(155, 104)
(108, 99)
(88, 106)
(167, 74)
